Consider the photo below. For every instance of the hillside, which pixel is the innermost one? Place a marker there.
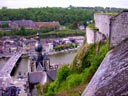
(71, 80)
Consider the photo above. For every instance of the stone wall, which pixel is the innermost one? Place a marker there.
(98, 36)
(102, 22)
(90, 35)
(93, 36)
(119, 28)
(113, 27)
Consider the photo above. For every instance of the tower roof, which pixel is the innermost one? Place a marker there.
(38, 46)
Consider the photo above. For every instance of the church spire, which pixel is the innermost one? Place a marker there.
(38, 46)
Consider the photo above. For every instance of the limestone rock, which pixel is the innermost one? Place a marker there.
(111, 78)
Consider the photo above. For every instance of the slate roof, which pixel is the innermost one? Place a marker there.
(51, 74)
(42, 76)
(36, 77)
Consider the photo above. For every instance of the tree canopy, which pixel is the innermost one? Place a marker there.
(65, 16)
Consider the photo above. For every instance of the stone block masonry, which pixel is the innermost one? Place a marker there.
(90, 35)
(113, 27)
(118, 28)
(102, 22)
(93, 36)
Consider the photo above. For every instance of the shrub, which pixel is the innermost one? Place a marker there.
(74, 80)
(39, 89)
(51, 89)
(63, 73)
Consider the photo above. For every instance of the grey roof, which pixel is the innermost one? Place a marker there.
(3, 22)
(52, 74)
(42, 77)
(37, 77)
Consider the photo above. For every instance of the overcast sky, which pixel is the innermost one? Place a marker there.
(62, 3)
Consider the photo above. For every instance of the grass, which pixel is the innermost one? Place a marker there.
(63, 33)
(92, 26)
(108, 13)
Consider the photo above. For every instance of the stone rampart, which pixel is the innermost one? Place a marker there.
(93, 36)
(119, 28)
(102, 22)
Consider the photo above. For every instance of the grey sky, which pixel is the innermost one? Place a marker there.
(63, 3)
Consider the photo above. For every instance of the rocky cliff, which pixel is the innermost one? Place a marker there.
(111, 78)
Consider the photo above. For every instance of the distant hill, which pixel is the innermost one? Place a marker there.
(65, 16)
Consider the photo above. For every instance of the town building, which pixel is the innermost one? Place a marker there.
(28, 24)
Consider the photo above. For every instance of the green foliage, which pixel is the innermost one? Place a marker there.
(63, 15)
(63, 73)
(39, 89)
(4, 25)
(46, 29)
(108, 13)
(81, 70)
(22, 31)
(73, 80)
(43, 32)
(51, 89)
(63, 33)
(92, 26)
(62, 47)
(74, 94)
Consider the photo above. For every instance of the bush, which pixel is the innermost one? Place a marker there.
(63, 73)
(73, 80)
(51, 89)
(62, 47)
(39, 89)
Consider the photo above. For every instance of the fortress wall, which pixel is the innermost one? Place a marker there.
(99, 36)
(102, 22)
(93, 36)
(90, 35)
(119, 28)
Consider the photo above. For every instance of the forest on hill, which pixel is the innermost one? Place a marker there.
(64, 15)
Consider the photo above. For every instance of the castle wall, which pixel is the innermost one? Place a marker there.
(102, 22)
(90, 35)
(93, 36)
(99, 36)
(119, 28)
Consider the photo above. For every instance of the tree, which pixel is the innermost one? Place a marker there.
(22, 31)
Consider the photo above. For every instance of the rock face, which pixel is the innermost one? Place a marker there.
(111, 78)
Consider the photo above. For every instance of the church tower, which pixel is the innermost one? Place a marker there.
(38, 49)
